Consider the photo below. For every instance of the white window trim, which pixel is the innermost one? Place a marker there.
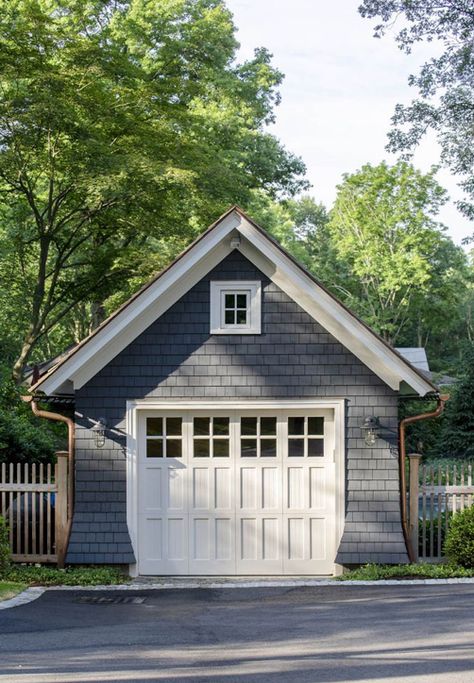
(337, 405)
(253, 288)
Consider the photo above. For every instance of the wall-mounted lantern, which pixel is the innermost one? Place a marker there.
(99, 432)
(371, 428)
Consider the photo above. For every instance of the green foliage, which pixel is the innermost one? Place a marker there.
(299, 225)
(380, 572)
(8, 589)
(23, 437)
(390, 249)
(422, 437)
(121, 125)
(459, 546)
(457, 434)
(4, 547)
(34, 575)
(444, 83)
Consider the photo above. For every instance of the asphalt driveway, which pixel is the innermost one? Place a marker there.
(247, 635)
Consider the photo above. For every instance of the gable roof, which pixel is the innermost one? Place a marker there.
(416, 355)
(88, 357)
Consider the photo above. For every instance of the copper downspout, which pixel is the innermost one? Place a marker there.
(403, 493)
(57, 417)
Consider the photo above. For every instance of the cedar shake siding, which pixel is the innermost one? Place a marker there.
(293, 358)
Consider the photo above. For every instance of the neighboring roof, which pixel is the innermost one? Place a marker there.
(87, 358)
(43, 367)
(416, 355)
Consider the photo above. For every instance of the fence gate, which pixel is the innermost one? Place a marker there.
(33, 502)
(436, 493)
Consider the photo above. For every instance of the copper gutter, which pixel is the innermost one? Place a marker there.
(57, 417)
(403, 493)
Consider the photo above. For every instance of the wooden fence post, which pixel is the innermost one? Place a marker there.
(61, 507)
(413, 494)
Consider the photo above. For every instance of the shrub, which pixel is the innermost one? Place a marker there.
(4, 547)
(459, 546)
(35, 575)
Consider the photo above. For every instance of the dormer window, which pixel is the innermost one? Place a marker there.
(235, 307)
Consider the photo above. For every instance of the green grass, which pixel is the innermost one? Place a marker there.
(8, 589)
(33, 575)
(379, 572)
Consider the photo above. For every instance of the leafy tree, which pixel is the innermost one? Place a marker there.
(298, 224)
(457, 437)
(22, 437)
(440, 317)
(121, 124)
(391, 250)
(445, 83)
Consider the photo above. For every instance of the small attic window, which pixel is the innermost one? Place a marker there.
(235, 307)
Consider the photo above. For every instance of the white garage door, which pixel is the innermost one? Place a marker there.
(227, 492)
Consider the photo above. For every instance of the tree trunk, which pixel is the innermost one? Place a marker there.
(21, 361)
(97, 314)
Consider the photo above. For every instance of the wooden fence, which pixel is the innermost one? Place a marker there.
(33, 502)
(436, 493)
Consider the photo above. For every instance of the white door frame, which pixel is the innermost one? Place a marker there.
(133, 408)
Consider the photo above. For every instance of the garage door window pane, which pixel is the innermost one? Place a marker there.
(201, 448)
(202, 426)
(221, 426)
(248, 448)
(221, 448)
(154, 448)
(248, 426)
(316, 426)
(173, 448)
(268, 448)
(154, 426)
(268, 426)
(173, 426)
(296, 426)
(315, 448)
(296, 448)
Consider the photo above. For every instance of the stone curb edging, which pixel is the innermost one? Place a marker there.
(36, 592)
(23, 598)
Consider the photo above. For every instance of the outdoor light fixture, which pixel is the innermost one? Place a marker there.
(99, 432)
(371, 427)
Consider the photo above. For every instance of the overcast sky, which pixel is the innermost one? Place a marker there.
(341, 86)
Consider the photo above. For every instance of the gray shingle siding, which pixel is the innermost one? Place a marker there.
(293, 358)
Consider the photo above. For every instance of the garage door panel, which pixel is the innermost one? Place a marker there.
(176, 479)
(177, 545)
(212, 548)
(223, 488)
(260, 545)
(318, 483)
(153, 499)
(270, 483)
(271, 539)
(249, 488)
(296, 490)
(201, 486)
(317, 538)
(154, 533)
(308, 545)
